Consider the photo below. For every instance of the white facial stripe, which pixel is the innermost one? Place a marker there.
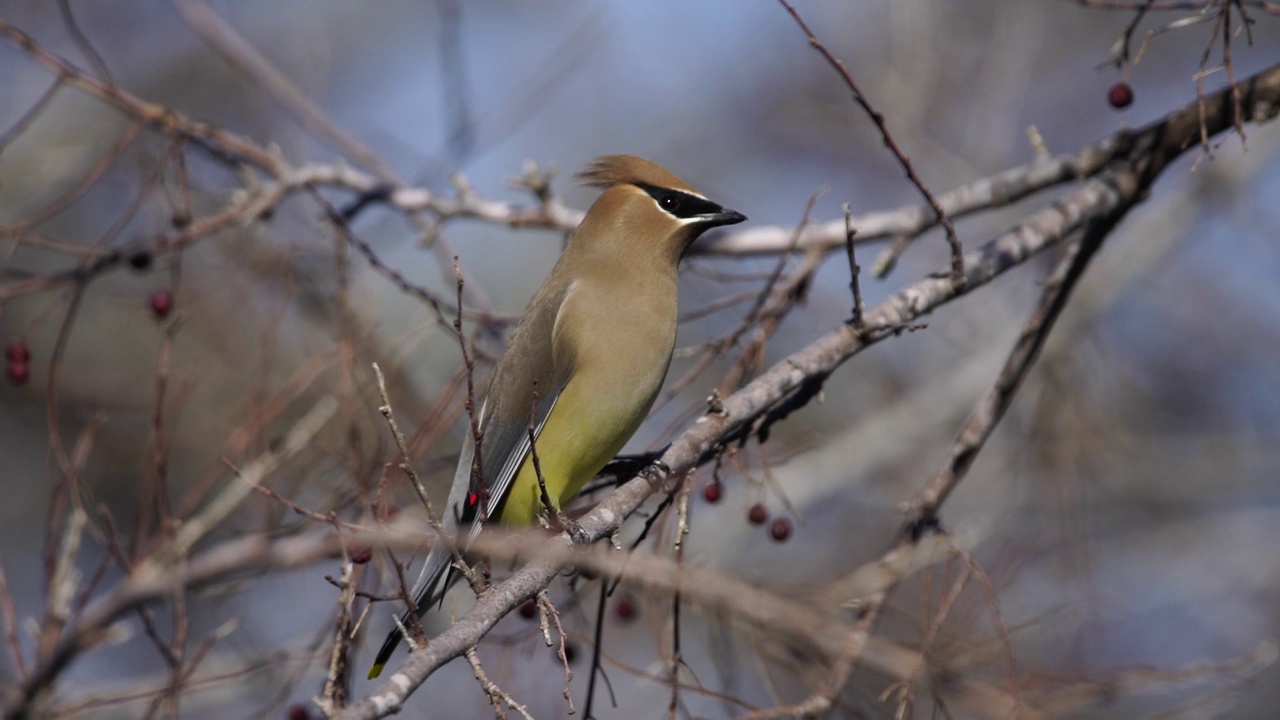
(673, 216)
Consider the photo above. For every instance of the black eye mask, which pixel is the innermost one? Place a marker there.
(680, 204)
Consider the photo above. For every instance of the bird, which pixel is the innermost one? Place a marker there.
(582, 367)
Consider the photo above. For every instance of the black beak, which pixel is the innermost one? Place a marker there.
(724, 217)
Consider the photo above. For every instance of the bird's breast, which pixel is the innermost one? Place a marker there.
(627, 330)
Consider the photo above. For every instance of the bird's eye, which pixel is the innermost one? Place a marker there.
(670, 203)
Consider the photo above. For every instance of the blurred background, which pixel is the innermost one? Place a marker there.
(1125, 511)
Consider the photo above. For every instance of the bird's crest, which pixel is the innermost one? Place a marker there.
(609, 170)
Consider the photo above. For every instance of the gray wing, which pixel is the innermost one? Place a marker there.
(521, 394)
(523, 390)
(505, 445)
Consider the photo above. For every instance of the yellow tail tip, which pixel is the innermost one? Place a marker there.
(376, 670)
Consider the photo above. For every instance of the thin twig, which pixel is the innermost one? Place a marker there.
(549, 614)
(334, 694)
(497, 696)
(854, 271)
(953, 240)
(547, 504)
(433, 519)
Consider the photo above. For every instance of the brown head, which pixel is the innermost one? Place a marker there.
(645, 208)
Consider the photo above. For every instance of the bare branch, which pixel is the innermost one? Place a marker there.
(953, 240)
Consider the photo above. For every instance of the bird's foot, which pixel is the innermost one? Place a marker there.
(625, 467)
(557, 521)
(657, 472)
(576, 533)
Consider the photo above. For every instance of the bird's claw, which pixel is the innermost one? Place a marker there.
(656, 470)
(576, 533)
(571, 527)
(557, 521)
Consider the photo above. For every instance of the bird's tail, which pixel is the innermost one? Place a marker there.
(437, 577)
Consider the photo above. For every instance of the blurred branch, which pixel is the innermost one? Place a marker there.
(978, 428)
(30, 114)
(245, 58)
(222, 144)
(1145, 5)
(169, 567)
(797, 622)
(10, 614)
(82, 42)
(245, 554)
(241, 53)
(217, 510)
(812, 626)
(456, 99)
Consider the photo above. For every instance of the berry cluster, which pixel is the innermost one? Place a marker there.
(757, 514)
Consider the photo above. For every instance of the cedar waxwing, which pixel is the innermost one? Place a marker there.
(584, 364)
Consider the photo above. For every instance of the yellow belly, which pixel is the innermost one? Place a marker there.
(580, 437)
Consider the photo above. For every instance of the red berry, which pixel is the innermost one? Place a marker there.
(529, 610)
(17, 351)
(625, 610)
(299, 712)
(360, 556)
(780, 529)
(1120, 95)
(758, 514)
(18, 372)
(713, 492)
(161, 303)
